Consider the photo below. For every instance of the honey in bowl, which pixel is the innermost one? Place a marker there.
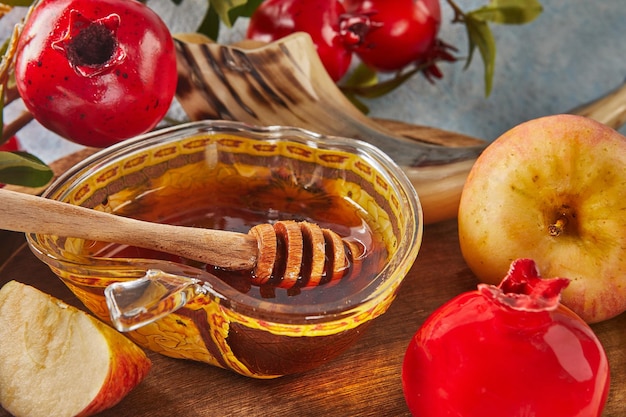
(228, 176)
(240, 204)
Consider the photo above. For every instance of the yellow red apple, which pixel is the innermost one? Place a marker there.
(56, 360)
(552, 189)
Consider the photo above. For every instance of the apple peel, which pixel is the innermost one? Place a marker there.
(56, 360)
(552, 189)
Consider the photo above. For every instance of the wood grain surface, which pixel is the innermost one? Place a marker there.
(364, 381)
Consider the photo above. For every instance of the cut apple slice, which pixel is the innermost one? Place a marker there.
(56, 360)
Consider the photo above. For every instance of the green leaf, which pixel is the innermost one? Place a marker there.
(210, 25)
(245, 10)
(4, 46)
(357, 103)
(223, 7)
(364, 82)
(226, 11)
(362, 76)
(21, 168)
(515, 12)
(23, 3)
(480, 36)
(1, 110)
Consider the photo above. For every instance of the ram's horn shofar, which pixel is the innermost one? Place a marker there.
(285, 83)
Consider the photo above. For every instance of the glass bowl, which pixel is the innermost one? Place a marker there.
(231, 176)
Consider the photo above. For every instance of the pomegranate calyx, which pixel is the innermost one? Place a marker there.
(438, 52)
(523, 289)
(91, 47)
(354, 27)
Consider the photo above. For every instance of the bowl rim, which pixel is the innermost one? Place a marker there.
(403, 259)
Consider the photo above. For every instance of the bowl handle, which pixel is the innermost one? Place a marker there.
(136, 303)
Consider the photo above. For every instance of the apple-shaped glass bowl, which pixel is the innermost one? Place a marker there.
(231, 176)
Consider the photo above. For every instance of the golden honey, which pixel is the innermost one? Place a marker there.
(233, 181)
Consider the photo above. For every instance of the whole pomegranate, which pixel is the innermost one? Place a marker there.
(275, 19)
(394, 34)
(96, 71)
(507, 350)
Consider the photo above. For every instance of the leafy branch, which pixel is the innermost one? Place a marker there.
(507, 12)
(21, 168)
(364, 82)
(226, 11)
(16, 167)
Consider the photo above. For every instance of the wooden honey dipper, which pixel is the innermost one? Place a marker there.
(288, 253)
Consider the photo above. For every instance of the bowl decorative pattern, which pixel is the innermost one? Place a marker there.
(198, 164)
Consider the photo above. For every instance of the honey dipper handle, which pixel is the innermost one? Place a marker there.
(30, 214)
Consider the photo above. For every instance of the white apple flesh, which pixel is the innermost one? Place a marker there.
(552, 189)
(56, 360)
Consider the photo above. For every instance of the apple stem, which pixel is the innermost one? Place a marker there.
(557, 228)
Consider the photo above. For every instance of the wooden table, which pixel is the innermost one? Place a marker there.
(364, 381)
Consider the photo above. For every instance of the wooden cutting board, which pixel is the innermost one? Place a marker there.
(364, 381)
